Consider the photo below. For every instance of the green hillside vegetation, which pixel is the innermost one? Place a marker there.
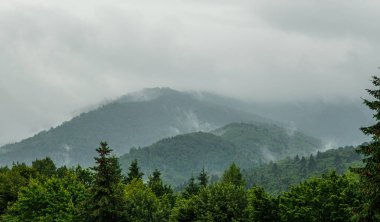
(279, 176)
(333, 120)
(262, 143)
(245, 144)
(137, 119)
(42, 192)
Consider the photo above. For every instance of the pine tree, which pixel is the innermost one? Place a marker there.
(234, 176)
(134, 172)
(338, 164)
(107, 200)
(302, 167)
(312, 165)
(370, 172)
(203, 178)
(156, 184)
(191, 189)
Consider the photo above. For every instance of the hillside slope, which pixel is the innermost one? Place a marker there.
(278, 176)
(137, 119)
(245, 144)
(335, 122)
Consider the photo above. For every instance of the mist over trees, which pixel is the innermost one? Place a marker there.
(318, 187)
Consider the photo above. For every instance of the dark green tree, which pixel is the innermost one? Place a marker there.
(261, 206)
(191, 188)
(312, 165)
(134, 172)
(330, 198)
(141, 203)
(234, 176)
(370, 172)
(107, 200)
(203, 178)
(302, 168)
(45, 167)
(156, 184)
(50, 199)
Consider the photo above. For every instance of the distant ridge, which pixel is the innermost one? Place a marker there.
(245, 144)
(133, 120)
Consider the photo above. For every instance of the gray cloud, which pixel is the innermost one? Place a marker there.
(56, 57)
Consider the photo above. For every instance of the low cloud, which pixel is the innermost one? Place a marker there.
(56, 57)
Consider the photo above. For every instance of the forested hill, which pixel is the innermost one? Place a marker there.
(137, 119)
(262, 142)
(331, 121)
(245, 144)
(276, 177)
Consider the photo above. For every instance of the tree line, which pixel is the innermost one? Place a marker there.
(42, 192)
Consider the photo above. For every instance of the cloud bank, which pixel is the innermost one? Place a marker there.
(59, 56)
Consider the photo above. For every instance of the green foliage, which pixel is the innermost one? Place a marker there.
(370, 172)
(262, 142)
(330, 198)
(245, 144)
(127, 122)
(217, 202)
(107, 200)
(203, 178)
(192, 188)
(142, 204)
(261, 206)
(234, 176)
(158, 187)
(279, 176)
(75, 194)
(134, 172)
(48, 200)
(45, 167)
(11, 181)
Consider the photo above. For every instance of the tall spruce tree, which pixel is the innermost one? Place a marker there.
(134, 172)
(156, 184)
(370, 172)
(203, 178)
(234, 176)
(107, 198)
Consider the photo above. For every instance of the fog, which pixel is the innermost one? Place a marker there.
(57, 57)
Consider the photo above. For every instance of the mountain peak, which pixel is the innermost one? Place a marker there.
(147, 94)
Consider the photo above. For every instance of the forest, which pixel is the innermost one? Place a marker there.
(336, 185)
(42, 192)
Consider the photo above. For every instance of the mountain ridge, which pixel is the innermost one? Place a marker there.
(131, 120)
(180, 156)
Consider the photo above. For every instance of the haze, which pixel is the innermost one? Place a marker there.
(57, 57)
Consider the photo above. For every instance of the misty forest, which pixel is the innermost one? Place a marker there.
(238, 166)
(189, 110)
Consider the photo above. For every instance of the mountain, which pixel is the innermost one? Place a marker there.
(335, 122)
(137, 119)
(245, 144)
(276, 177)
(266, 142)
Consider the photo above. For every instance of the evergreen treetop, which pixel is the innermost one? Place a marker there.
(370, 172)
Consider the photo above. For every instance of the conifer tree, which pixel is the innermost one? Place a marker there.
(191, 189)
(134, 172)
(234, 176)
(370, 172)
(312, 165)
(156, 184)
(203, 178)
(107, 200)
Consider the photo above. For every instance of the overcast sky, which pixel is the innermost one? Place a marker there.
(59, 56)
